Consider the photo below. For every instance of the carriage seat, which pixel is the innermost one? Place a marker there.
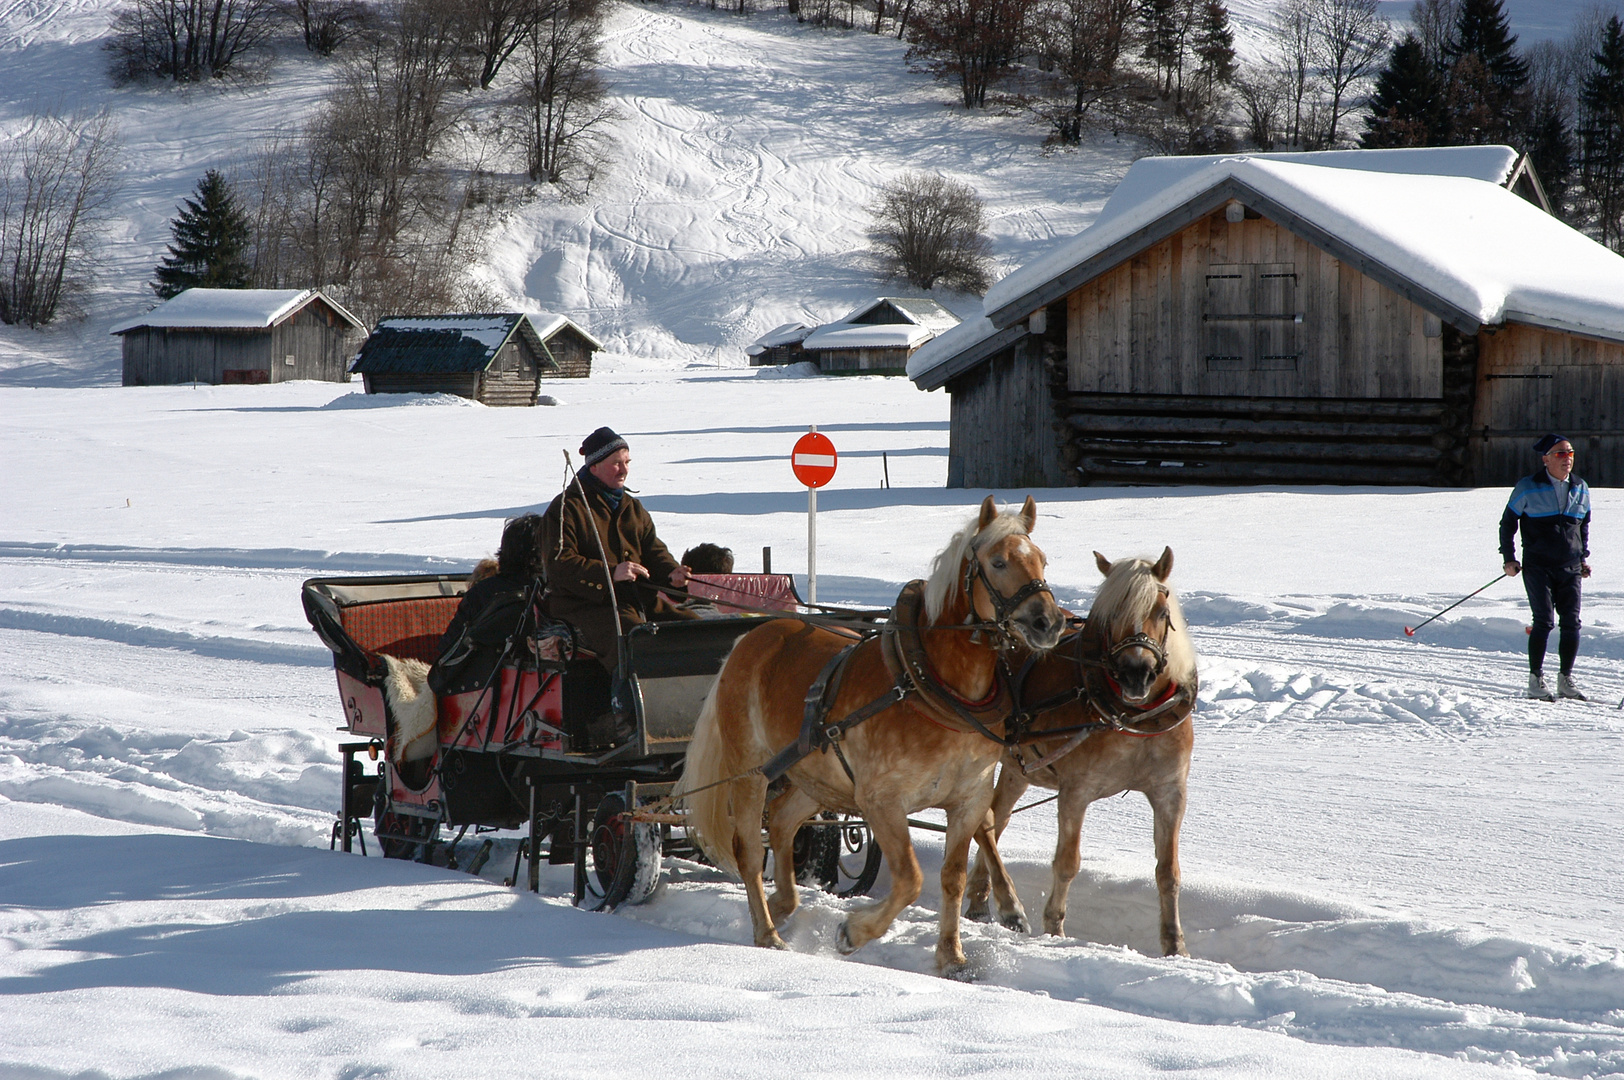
(776, 592)
(406, 629)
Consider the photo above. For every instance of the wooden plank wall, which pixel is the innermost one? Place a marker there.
(1139, 328)
(1002, 433)
(463, 384)
(320, 343)
(874, 361)
(574, 356)
(156, 356)
(1532, 381)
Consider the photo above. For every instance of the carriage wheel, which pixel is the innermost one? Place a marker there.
(840, 858)
(626, 857)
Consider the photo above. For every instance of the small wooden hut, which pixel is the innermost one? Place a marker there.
(240, 336)
(497, 359)
(878, 337)
(780, 345)
(1355, 317)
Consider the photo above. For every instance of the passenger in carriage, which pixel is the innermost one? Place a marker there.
(493, 611)
(578, 578)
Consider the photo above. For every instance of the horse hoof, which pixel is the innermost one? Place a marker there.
(957, 970)
(843, 941)
(1017, 921)
(978, 913)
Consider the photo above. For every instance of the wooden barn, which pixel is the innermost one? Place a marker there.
(1350, 317)
(780, 345)
(240, 336)
(498, 359)
(878, 337)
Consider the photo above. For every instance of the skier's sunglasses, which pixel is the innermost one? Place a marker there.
(1560, 453)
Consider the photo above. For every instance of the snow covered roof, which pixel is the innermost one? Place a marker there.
(455, 343)
(843, 335)
(786, 334)
(230, 309)
(1461, 247)
(918, 310)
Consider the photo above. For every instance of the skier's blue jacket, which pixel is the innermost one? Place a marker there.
(1556, 537)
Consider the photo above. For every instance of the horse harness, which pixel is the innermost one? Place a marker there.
(1098, 689)
(902, 649)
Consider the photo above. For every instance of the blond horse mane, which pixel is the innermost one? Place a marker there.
(946, 575)
(1127, 596)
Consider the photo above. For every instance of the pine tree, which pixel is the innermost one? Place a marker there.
(1550, 147)
(1483, 30)
(211, 237)
(1406, 108)
(1215, 49)
(1601, 136)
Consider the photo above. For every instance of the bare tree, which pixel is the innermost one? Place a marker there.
(561, 95)
(327, 24)
(928, 229)
(1293, 37)
(498, 27)
(972, 41)
(1349, 39)
(1079, 45)
(1264, 95)
(1434, 22)
(57, 182)
(187, 40)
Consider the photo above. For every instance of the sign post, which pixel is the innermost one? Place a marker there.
(813, 461)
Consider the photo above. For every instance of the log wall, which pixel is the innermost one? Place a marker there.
(572, 353)
(1531, 381)
(319, 344)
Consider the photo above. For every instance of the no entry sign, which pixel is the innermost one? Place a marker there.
(813, 460)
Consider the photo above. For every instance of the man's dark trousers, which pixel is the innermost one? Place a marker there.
(1552, 593)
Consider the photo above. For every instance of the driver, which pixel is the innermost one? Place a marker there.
(577, 578)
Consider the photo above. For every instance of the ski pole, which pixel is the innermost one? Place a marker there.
(1409, 631)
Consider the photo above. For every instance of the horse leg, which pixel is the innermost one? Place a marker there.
(1068, 859)
(890, 828)
(961, 826)
(1011, 786)
(990, 864)
(1167, 810)
(785, 818)
(749, 799)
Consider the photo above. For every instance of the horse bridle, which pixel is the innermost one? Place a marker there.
(1003, 606)
(1141, 640)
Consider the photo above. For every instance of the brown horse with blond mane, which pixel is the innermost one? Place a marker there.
(911, 711)
(1115, 700)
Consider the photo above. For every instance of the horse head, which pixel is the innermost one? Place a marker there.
(1003, 579)
(1134, 613)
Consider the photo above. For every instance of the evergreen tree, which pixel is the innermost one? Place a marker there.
(1601, 136)
(1482, 30)
(1406, 108)
(211, 239)
(1550, 148)
(1215, 49)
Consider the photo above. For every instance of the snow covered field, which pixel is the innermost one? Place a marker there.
(1393, 865)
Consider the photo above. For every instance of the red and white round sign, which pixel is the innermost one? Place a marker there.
(813, 460)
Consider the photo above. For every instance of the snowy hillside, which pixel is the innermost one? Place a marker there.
(748, 151)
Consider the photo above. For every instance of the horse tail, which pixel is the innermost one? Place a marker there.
(709, 798)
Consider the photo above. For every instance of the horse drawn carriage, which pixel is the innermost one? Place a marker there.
(831, 735)
(515, 751)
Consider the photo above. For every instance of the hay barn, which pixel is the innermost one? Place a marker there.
(1349, 317)
(497, 359)
(240, 336)
(875, 339)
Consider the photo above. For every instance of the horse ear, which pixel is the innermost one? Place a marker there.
(1103, 563)
(1163, 565)
(989, 510)
(1029, 513)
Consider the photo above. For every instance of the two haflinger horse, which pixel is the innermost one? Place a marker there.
(804, 719)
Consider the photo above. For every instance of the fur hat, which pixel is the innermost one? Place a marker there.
(600, 444)
(1541, 448)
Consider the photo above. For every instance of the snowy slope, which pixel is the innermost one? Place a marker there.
(1393, 865)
